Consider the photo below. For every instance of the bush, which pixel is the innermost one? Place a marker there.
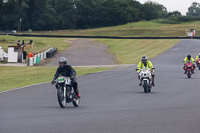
(177, 19)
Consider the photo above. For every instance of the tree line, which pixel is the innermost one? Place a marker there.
(75, 14)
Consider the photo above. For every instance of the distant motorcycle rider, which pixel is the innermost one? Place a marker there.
(67, 71)
(145, 63)
(189, 58)
(198, 56)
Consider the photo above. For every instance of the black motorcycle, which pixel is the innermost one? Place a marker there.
(65, 92)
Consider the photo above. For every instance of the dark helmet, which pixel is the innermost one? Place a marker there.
(189, 56)
(62, 60)
(144, 59)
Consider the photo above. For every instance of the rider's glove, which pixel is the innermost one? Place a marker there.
(53, 82)
(152, 72)
(72, 77)
(138, 72)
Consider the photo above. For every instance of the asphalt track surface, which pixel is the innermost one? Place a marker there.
(112, 102)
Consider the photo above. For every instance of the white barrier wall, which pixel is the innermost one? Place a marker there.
(31, 61)
(190, 34)
(35, 59)
(42, 56)
(1, 53)
(45, 54)
(12, 56)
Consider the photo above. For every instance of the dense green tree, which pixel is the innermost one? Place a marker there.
(194, 9)
(153, 10)
(74, 14)
(174, 13)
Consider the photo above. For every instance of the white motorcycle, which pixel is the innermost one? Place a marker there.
(146, 79)
(65, 92)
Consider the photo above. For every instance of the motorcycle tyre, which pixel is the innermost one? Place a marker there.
(145, 86)
(189, 74)
(61, 100)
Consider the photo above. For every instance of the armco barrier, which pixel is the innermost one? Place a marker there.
(106, 37)
(40, 56)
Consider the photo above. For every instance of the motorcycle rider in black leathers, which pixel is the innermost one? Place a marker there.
(67, 71)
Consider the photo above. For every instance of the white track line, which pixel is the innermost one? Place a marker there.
(23, 87)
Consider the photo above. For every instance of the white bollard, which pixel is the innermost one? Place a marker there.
(45, 54)
(42, 56)
(35, 59)
(31, 61)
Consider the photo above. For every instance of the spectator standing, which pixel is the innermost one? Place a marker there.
(19, 43)
(31, 42)
(30, 54)
(23, 42)
(24, 56)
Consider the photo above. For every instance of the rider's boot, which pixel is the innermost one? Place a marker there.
(140, 81)
(77, 93)
(185, 72)
(153, 84)
(192, 71)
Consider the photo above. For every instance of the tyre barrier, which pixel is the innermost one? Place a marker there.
(51, 52)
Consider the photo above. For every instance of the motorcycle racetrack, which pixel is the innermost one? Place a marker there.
(113, 102)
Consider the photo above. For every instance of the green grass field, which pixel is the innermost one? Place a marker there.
(40, 43)
(127, 51)
(140, 29)
(130, 51)
(14, 77)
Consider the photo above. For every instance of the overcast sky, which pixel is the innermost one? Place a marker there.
(174, 5)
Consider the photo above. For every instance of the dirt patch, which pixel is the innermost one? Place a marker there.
(85, 52)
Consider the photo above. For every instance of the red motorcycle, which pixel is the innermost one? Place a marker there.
(198, 63)
(189, 69)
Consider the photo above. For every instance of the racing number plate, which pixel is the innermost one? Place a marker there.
(61, 79)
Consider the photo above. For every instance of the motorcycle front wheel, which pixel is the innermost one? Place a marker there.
(61, 98)
(145, 86)
(189, 74)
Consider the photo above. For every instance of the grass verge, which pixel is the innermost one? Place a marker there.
(40, 43)
(130, 51)
(15, 77)
(139, 29)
